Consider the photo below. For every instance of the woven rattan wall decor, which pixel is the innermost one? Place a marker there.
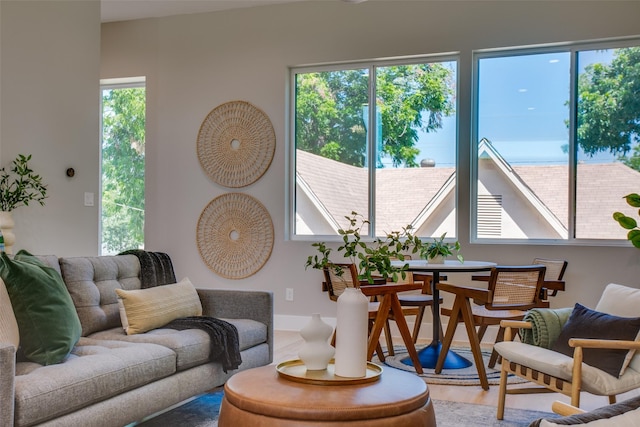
(236, 143)
(235, 235)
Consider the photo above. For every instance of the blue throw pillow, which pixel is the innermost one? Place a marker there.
(47, 319)
(587, 323)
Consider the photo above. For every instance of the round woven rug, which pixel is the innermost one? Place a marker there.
(235, 235)
(463, 376)
(236, 143)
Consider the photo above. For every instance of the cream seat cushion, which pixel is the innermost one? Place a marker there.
(142, 310)
(8, 325)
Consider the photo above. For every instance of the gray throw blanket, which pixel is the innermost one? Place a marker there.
(156, 269)
(225, 347)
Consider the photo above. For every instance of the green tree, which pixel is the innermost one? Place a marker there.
(331, 110)
(609, 105)
(123, 169)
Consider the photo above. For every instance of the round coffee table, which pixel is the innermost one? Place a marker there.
(261, 397)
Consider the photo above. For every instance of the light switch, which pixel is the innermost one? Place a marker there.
(88, 199)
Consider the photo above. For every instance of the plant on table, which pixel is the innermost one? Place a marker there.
(438, 247)
(373, 259)
(629, 223)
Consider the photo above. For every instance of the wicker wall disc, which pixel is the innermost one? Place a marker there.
(236, 143)
(235, 235)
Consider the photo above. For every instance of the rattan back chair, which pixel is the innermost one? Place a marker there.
(553, 279)
(339, 277)
(512, 290)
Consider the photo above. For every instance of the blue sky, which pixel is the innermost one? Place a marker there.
(522, 110)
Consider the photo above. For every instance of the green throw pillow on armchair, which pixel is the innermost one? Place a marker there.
(47, 319)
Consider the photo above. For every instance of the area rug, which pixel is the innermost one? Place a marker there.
(463, 376)
(203, 412)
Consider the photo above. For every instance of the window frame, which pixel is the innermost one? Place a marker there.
(290, 137)
(573, 48)
(106, 84)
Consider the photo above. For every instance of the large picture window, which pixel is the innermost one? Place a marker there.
(557, 134)
(378, 139)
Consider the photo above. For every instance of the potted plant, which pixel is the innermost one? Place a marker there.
(373, 259)
(438, 250)
(629, 223)
(18, 187)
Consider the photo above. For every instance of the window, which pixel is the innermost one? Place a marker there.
(394, 163)
(556, 133)
(123, 166)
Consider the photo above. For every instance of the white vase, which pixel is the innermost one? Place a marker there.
(6, 226)
(351, 334)
(316, 352)
(438, 259)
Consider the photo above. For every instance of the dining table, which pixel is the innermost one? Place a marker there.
(428, 356)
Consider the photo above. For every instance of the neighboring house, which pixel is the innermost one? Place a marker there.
(514, 202)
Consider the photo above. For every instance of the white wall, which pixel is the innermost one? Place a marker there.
(49, 108)
(194, 63)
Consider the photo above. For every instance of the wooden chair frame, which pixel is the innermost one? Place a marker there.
(386, 304)
(462, 311)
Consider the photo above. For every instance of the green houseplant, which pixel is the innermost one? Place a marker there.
(20, 185)
(629, 223)
(439, 249)
(373, 259)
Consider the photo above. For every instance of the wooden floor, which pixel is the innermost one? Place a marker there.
(287, 345)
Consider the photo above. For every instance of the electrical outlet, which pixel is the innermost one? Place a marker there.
(289, 294)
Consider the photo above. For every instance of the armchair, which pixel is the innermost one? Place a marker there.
(555, 371)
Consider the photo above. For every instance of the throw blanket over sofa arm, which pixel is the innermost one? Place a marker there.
(225, 304)
(7, 384)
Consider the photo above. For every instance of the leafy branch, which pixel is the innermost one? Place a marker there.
(372, 259)
(629, 223)
(21, 185)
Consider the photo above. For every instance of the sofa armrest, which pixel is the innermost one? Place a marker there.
(7, 383)
(240, 304)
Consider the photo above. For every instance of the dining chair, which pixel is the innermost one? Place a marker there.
(553, 279)
(512, 290)
(383, 306)
(337, 279)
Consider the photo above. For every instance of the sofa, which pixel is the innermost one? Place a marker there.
(111, 378)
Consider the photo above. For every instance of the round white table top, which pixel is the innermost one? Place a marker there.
(449, 265)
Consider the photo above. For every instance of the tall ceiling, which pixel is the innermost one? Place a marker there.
(124, 10)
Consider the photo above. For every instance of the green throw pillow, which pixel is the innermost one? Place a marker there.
(47, 319)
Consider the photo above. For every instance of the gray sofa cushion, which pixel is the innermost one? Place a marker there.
(92, 282)
(95, 370)
(191, 345)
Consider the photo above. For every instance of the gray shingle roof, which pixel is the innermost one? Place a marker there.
(404, 193)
